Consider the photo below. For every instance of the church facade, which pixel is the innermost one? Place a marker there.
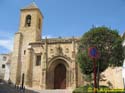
(43, 63)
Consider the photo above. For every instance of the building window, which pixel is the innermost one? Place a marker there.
(3, 65)
(28, 21)
(4, 58)
(39, 24)
(38, 60)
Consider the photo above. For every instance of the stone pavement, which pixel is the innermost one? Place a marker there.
(5, 88)
(51, 91)
(56, 91)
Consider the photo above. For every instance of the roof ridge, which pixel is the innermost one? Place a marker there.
(31, 6)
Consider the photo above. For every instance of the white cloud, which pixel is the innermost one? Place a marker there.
(7, 43)
(6, 39)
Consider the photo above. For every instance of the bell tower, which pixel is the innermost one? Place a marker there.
(30, 29)
(31, 22)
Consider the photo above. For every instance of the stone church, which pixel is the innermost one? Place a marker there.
(43, 63)
(48, 63)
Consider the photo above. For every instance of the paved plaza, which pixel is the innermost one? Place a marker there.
(5, 88)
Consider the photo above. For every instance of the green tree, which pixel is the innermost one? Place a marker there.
(109, 45)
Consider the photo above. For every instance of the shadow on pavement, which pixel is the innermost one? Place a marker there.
(11, 88)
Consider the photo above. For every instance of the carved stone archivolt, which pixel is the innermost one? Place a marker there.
(59, 57)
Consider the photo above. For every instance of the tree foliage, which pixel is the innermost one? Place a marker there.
(109, 45)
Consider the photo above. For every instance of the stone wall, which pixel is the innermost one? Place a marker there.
(112, 77)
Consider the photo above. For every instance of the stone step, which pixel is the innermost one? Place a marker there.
(56, 91)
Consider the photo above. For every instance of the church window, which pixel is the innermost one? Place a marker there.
(28, 21)
(3, 65)
(39, 23)
(38, 60)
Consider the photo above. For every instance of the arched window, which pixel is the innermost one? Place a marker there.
(38, 60)
(28, 21)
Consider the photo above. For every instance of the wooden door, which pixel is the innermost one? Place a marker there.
(60, 77)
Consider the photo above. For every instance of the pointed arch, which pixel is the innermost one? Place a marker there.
(53, 69)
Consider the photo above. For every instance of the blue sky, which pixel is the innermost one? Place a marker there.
(65, 18)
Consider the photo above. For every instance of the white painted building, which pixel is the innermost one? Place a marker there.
(7, 71)
(4, 66)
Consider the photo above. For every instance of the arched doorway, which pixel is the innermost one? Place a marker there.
(60, 77)
(58, 74)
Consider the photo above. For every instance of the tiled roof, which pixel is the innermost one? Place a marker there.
(31, 6)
